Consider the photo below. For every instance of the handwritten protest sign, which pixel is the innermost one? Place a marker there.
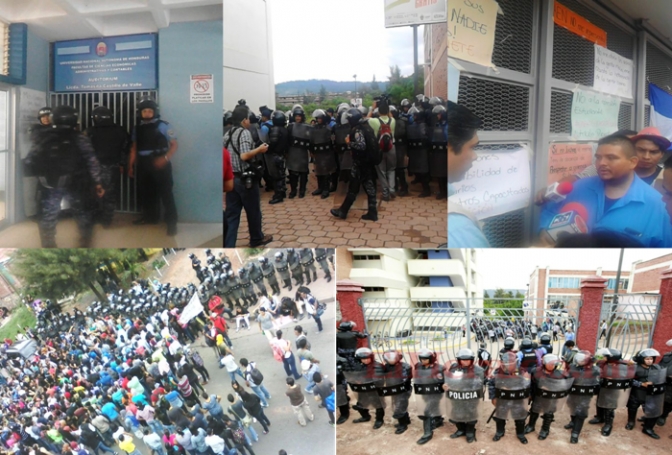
(613, 73)
(568, 159)
(579, 25)
(497, 183)
(594, 115)
(471, 30)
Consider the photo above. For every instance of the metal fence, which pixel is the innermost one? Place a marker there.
(123, 106)
(447, 327)
(627, 322)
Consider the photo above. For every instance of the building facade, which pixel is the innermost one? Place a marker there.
(436, 60)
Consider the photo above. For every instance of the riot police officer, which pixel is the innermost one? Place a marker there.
(484, 358)
(154, 144)
(64, 162)
(438, 157)
(110, 142)
(545, 341)
(236, 288)
(343, 155)
(418, 149)
(615, 380)
(648, 391)
(44, 117)
(282, 267)
(509, 389)
(397, 375)
(308, 263)
(527, 357)
(321, 258)
(297, 156)
(550, 385)
(364, 378)
(246, 287)
(278, 144)
(509, 344)
(586, 381)
(401, 146)
(268, 271)
(322, 150)
(346, 346)
(257, 277)
(295, 266)
(666, 363)
(463, 384)
(427, 382)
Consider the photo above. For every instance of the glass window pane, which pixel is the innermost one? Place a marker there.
(3, 119)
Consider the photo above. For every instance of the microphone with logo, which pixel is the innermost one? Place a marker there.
(571, 219)
(558, 191)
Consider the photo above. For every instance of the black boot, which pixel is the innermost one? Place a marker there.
(344, 414)
(520, 430)
(318, 191)
(437, 422)
(576, 431)
(649, 425)
(278, 197)
(293, 184)
(402, 184)
(599, 417)
(425, 187)
(470, 428)
(315, 276)
(327, 277)
(501, 426)
(333, 182)
(608, 422)
(570, 425)
(380, 414)
(546, 426)
(632, 416)
(363, 412)
(372, 214)
(529, 428)
(427, 435)
(288, 282)
(303, 181)
(307, 272)
(404, 422)
(325, 187)
(461, 431)
(342, 211)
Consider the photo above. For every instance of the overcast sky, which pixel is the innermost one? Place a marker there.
(511, 269)
(336, 39)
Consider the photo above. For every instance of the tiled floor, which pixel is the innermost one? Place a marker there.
(409, 222)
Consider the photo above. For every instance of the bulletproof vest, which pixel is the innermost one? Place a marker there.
(340, 133)
(277, 142)
(109, 143)
(300, 135)
(346, 342)
(320, 135)
(281, 264)
(57, 155)
(438, 136)
(400, 130)
(548, 347)
(416, 134)
(149, 137)
(529, 359)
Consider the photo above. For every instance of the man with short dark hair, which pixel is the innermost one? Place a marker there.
(245, 194)
(617, 200)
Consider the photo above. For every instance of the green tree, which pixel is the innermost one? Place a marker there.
(323, 92)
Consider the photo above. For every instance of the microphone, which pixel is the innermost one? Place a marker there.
(570, 220)
(558, 191)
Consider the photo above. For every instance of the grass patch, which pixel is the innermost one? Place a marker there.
(21, 316)
(409, 342)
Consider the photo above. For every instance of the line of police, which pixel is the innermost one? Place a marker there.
(420, 139)
(238, 289)
(535, 376)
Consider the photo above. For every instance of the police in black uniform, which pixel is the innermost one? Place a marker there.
(278, 144)
(65, 164)
(346, 345)
(154, 144)
(110, 142)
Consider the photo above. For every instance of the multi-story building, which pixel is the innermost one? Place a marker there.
(436, 60)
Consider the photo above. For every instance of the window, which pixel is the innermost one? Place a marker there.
(373, 289)
(611, 284)
(366, 257)
(564, 282)
(4, 49)
(559, 302)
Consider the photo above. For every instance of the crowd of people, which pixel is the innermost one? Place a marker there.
(361, 146)
(123, 371)
(624, 199)
(523, 385)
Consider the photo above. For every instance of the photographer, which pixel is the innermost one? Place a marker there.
(245, 194)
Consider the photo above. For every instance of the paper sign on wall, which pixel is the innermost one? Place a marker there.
(594, 115)
(471, 30)
(453, 82)
(613, 73)
(497, 183)
(568, 159)
(579, 25)
(201, 88)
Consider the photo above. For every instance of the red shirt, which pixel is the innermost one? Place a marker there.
(228, 169)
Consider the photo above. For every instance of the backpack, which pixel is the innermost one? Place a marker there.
(373, 151)
(385, 136)
(238, 435)
(278, 353)
(256, 375)
(330, 402)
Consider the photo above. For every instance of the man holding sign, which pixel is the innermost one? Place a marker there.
(616, 203)
(463, 228)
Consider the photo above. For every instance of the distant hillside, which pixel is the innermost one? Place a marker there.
(314, 85)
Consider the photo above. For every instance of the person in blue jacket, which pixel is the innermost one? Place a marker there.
(617, 200)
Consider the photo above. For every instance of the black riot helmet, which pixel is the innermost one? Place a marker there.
(44, 111)
(526, 344)
(353, 116)
(253, 118)
(363, 353)
(299, 111)
(465, 354)
(147, 103)
(545, 339)
(279, 118)
(278, 255)
(346, 326)
(644, 353)
(426, 354)
(64, 117)
(320, 114)
(101, 116)
(509, 343)
(611, 354)
(228, 118)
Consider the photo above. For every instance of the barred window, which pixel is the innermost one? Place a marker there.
(366, 257)
(4, 49)
(373, 289)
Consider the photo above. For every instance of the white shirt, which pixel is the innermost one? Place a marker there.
(230, 363)
(215, 443)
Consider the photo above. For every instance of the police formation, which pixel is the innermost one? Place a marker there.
(527, 385)
(242, 288)
(343, 147)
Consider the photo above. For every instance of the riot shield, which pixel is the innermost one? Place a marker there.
(297, 156)
(655, 394)
(438, 156)
(512, 393)
(364, 387)
(615, 386)
(427, 384)
(397, 389)
(551, 394)
(583, 393)
(465, 392)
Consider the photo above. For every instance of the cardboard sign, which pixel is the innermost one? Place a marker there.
(471, 30)
(498, 182)
(568, 19)
(568, 159)
(594, 115)
(193, 309)
(613, 73)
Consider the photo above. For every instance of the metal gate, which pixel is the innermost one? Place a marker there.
(123, 106)
(627, 322)
(447, 327)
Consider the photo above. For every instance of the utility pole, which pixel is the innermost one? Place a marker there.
(415, 60)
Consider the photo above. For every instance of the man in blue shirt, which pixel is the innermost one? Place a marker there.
(463, 227)
(617, 200)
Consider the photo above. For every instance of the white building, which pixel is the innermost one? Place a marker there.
(248, 54)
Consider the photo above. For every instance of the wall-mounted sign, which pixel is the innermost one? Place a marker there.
(112, 63)
(594, 115)
(613, 73)
(471, 30)
(399, 13)
(201, 88)
(568, 19)
(568, 159)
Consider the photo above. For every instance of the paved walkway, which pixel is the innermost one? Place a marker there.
(410, 222)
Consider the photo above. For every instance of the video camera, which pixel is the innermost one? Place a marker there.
(383, 97)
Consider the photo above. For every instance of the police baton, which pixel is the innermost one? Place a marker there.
(491, 415)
